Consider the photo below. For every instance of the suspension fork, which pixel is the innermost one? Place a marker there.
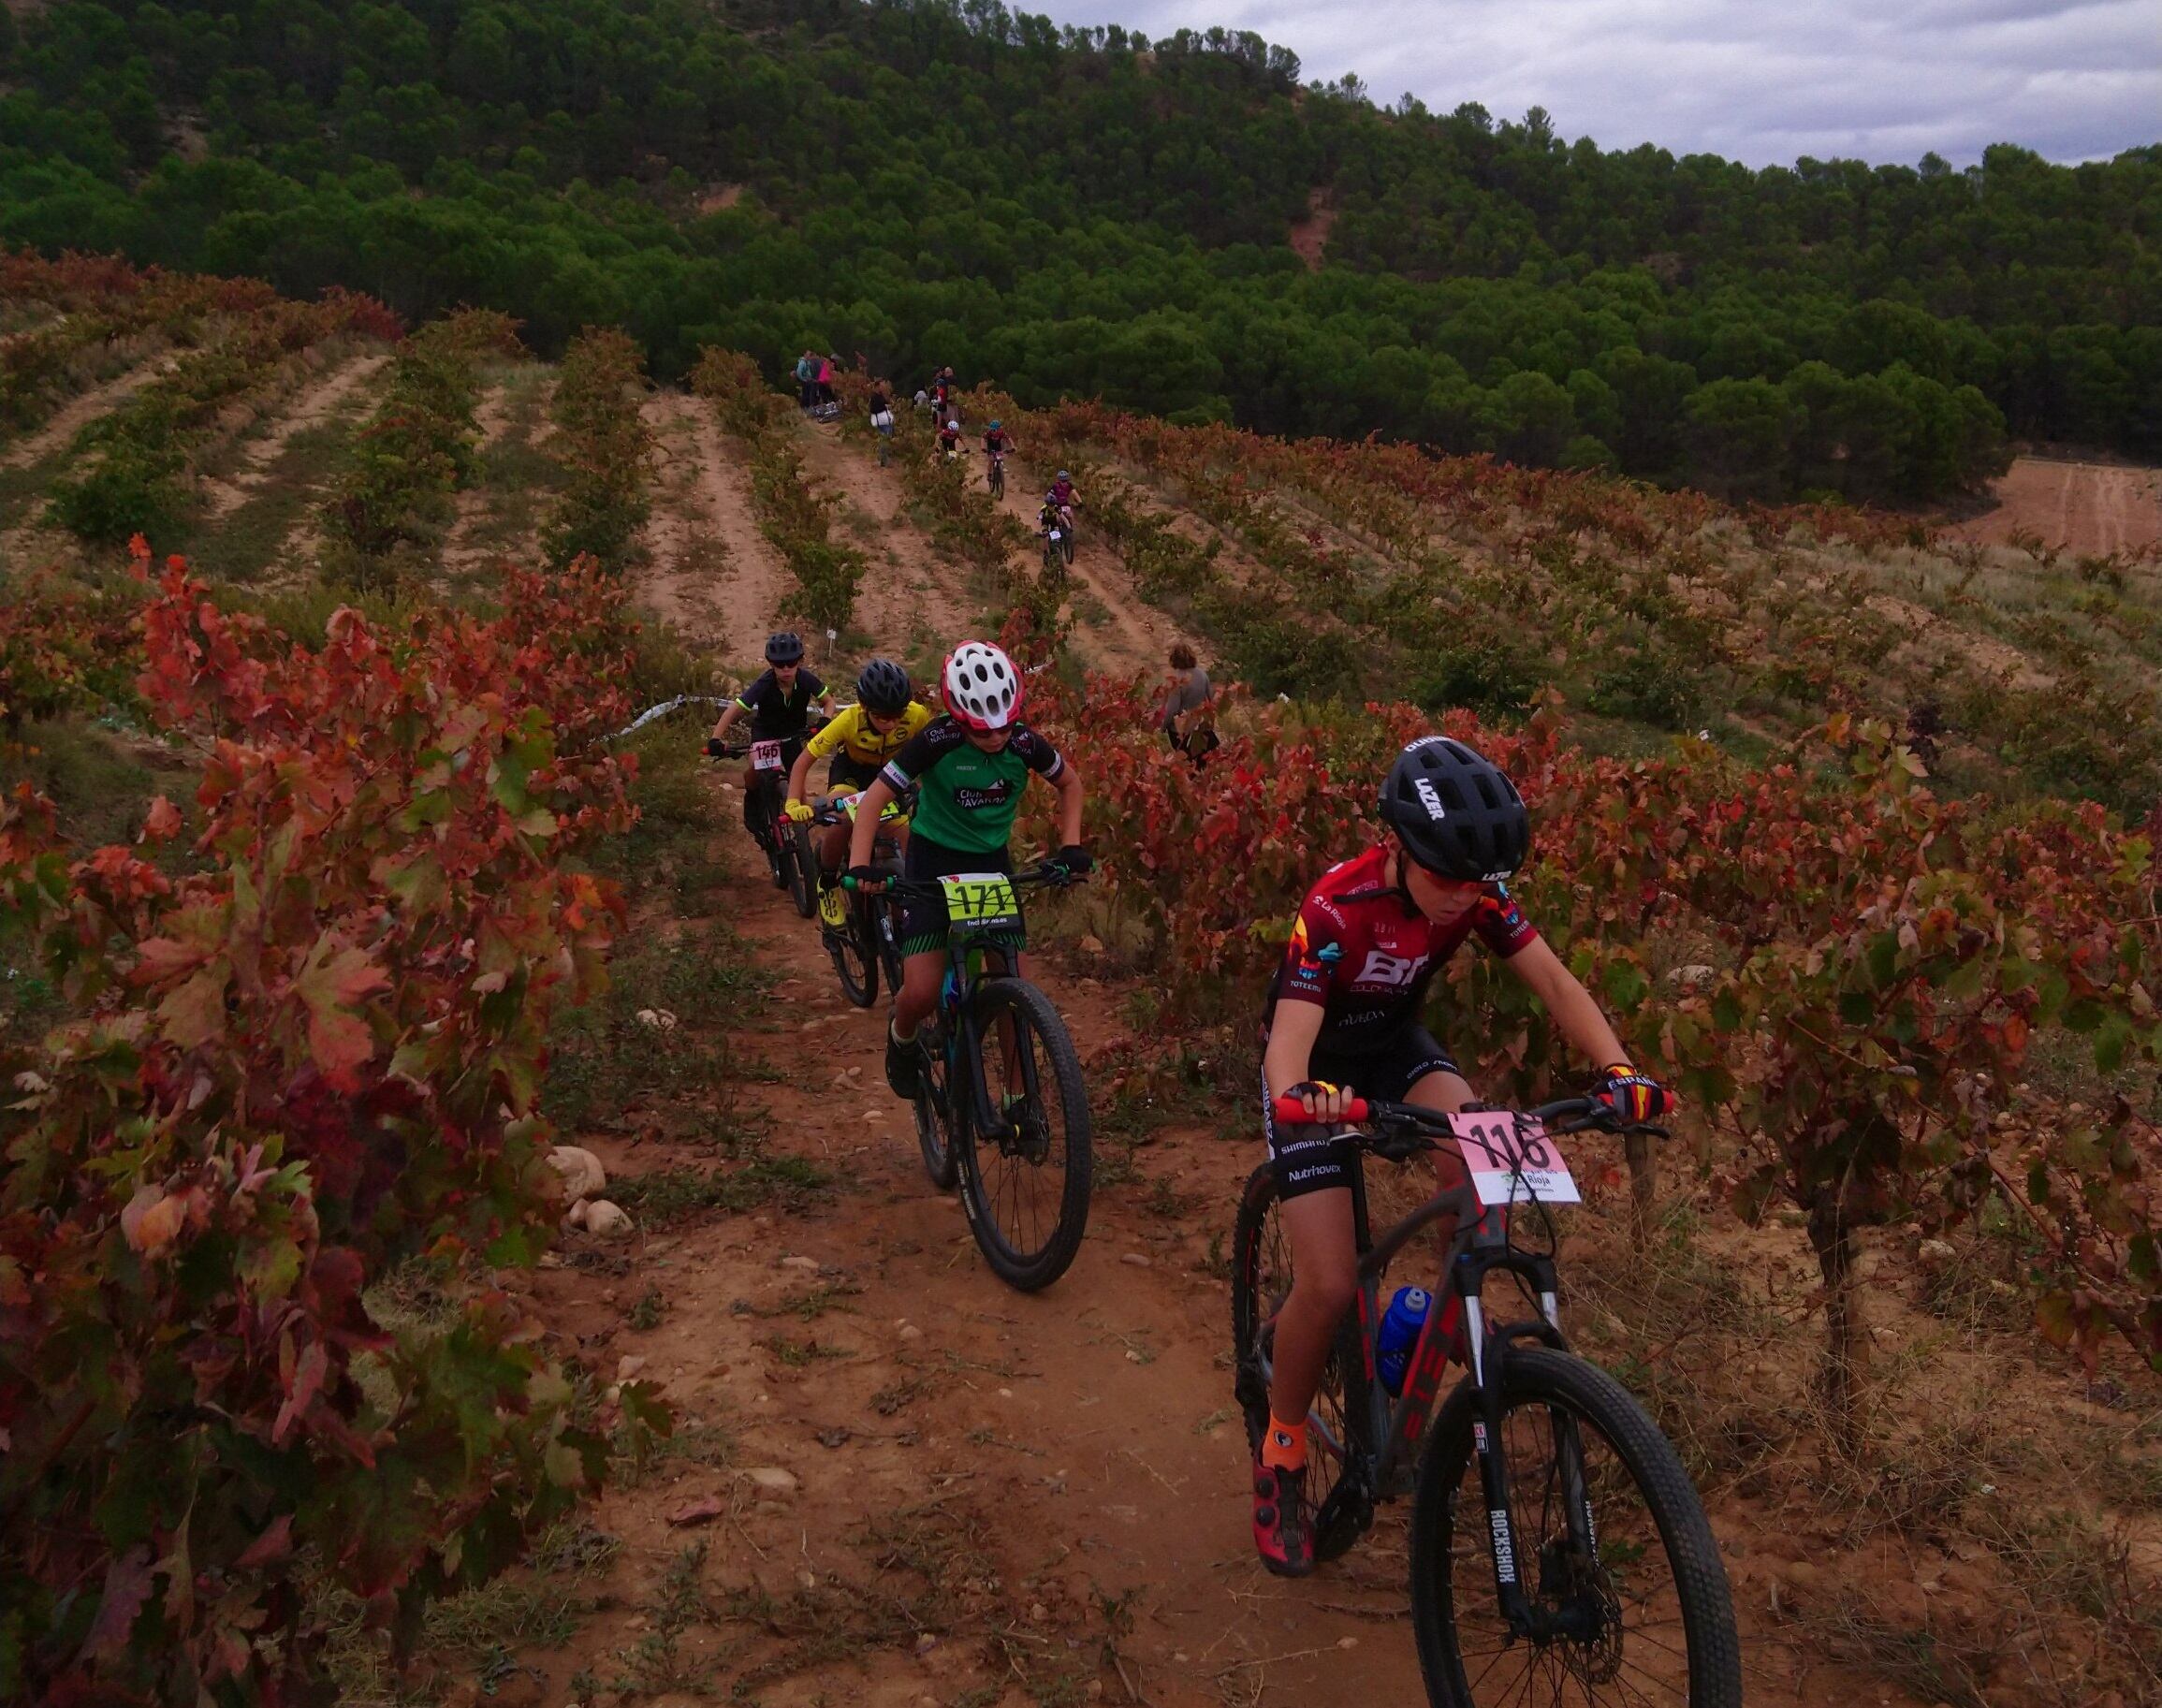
(992, 1124)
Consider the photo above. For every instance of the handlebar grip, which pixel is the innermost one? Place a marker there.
(1292, 1112)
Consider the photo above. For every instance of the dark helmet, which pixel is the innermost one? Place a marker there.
(1456, 813)
(883, 686)
(785, 648)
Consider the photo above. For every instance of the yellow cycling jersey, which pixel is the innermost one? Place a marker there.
(851, 733)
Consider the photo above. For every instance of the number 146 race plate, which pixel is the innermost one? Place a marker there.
(1512, 1160)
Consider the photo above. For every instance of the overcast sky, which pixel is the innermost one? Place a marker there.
(1759, 80)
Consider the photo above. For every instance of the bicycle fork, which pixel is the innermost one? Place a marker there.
(1488, 1351)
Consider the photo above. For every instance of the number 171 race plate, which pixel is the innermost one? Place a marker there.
(1512, 1160)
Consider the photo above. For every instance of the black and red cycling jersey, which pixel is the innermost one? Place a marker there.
(1365, 954)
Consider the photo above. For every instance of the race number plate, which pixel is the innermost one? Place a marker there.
(982, 901)
(1512, 1160)
(891, 811)
(1056, 535)
(766, 756)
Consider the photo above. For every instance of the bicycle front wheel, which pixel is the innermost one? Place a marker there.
(1628, 1597)
(800, 863)
(855, 954)
(1027, 1188)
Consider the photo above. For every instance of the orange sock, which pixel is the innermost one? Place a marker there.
(1284, 1445)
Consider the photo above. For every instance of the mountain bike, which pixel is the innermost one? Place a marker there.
(996, 474)
(868, 938)
(1559, 1549)
(764, 814)
(1002, 1108)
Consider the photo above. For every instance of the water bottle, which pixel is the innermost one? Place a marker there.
(1400, 1326)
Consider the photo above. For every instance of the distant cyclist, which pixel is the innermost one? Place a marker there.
(1344, 1020)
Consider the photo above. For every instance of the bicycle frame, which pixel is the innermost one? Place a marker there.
(1395, 1426)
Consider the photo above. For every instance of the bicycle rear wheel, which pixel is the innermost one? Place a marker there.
(1631, 1598)
(1336, 1433)
(934, 1125)
(1027, 1192)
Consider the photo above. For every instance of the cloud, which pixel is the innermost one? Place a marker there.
(1887, 81)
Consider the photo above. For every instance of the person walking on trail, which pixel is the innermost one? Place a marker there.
(882, 420)
(806, 380)
(1190, 706)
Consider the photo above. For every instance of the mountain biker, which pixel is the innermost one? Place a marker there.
(950, 438)
(885, 716)
(1344, 1020)
(1063, 497)
(780, 704)
(969, 769)
(998, 442)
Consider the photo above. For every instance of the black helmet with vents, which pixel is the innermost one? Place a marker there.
(1455, 812)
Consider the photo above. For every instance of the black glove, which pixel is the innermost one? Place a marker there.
(1633, 1096)
(856, 877)
(1072, 860)
(716, 748)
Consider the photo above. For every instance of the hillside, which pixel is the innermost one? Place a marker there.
(887, 1478)
(1089, 214)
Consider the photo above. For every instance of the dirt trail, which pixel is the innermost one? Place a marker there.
(934, 1486)
(314, 407)
(2087, 508)
(1082, 1438)
(912, 601)
(1138, 635)
(80, 411)
(711, 570)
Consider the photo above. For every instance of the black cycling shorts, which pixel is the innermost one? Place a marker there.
(1307, 1156)
(923, 920)
(847, 773)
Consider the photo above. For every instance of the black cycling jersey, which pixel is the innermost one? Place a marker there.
(776, 716)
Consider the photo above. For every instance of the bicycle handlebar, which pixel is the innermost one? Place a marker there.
(1566, 1116)
(1054, 877)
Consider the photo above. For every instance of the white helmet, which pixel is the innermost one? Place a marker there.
(983, 690)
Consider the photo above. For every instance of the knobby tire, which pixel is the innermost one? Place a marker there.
(1260, 1282)
(934, 1126)
(1036, 1258)
(799, 864)
(1696, 1657)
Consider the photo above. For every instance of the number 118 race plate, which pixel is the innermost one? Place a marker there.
(1512, 1160)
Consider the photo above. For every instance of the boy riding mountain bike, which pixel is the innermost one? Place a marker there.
(780, 703)
(885, 718)
(1344, 1020)
(969, 769)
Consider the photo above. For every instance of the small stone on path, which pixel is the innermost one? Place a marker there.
(1136, 1259)
(772, 1478)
